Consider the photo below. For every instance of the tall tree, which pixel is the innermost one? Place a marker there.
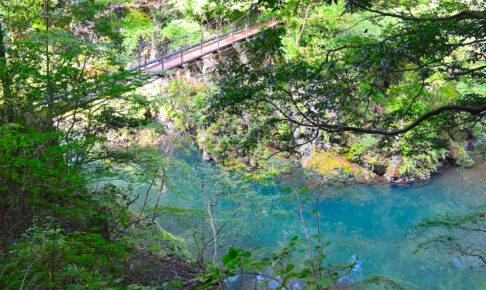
(399, 71)
(61, 73)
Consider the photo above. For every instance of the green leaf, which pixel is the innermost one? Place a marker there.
(289, 268)
(324, 282)
(304, 190)
(232, 255)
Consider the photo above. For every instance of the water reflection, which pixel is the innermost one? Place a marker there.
(369, 223)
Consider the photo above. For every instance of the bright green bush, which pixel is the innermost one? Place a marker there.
(50, 258)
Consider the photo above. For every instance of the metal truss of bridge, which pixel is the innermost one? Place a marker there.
(214, 44)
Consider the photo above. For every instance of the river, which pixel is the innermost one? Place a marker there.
(372, 223)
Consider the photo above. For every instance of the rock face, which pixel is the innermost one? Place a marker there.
(392, 173)
(379, 168)
(339, 154)
(376, 164)
(460, 155)
(332, 165)
(307, 150)
(366, 176)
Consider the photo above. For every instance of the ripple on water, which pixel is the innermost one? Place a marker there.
(372, 224)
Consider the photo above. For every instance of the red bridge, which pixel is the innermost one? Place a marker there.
(198, 50)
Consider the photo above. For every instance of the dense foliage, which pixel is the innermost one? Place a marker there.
(88, 149)
(63, 88)
(320, 81)
(380, 72)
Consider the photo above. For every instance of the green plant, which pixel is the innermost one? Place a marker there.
(275, 268)
(358, 149)
(50, 258)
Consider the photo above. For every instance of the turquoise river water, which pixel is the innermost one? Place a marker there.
(372, 223)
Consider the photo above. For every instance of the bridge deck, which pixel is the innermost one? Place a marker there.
(207, 48)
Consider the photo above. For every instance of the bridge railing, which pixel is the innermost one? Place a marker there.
(221, 33)
(229, 30)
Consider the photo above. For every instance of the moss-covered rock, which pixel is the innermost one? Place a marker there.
(460, 155)
(329, 163)
(393, 173)
(377, 164)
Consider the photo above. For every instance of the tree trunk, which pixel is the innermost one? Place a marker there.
(303, 25)
(7, 112)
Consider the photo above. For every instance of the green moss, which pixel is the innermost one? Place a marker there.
(460, 155)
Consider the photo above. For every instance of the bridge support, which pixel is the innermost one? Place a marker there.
(246, 25)
(219, 35)
(202, 40)
(182, 51)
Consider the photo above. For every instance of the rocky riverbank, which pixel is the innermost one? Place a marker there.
(364, 158)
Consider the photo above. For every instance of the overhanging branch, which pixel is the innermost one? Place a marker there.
(473, 110)
(463, 15)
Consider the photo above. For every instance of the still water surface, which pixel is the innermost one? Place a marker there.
(370, 222)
